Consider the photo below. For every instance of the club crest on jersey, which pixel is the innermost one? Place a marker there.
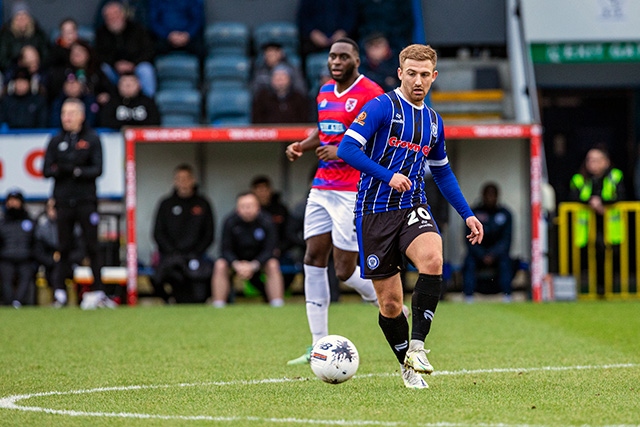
(350, 105)
(434, 129)
(361, 118)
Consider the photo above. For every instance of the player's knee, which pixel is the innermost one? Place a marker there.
(390, 308)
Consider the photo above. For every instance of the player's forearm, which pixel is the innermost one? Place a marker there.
(450, 189)
(349, 151)
(311, 142)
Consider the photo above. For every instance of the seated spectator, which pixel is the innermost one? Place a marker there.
(59, 54)
(47, 251)
(248, 249)
(82, 62)
(130, 107)
(177, 26)
(136, 10)
(29, 58)
(280, 102)
(19, 31)
(75, 86)
(321, 23)
(273, 55)
(21, 108)
(124, 46)
(17, 270)
(494, 249)
(183, 231)
(392, 18)
(379, 62)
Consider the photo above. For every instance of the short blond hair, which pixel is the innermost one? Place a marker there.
(419, 52)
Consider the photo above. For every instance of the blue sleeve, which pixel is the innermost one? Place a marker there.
(350, 151)
(448, 185)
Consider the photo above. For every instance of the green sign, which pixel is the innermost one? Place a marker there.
(567, 53)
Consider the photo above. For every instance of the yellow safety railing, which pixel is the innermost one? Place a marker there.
(621, 282)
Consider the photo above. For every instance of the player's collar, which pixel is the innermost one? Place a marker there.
(340, 94)
(401, 95)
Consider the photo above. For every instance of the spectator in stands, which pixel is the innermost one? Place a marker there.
(75, 87)
(281, 102)
(17, 269)
(136, 10)
(183, 231)
(47, 251)
(21, 108)
(494, 249)
(130, 107)
(321, 23)
(82, 63)
(273, 55)
(125, 46)
(59, 55)
(598, 185)
(379, 62)
(178, 26)
(249, 242)
(392, 18)
(19, 31)
(73, 159)
(29, 59)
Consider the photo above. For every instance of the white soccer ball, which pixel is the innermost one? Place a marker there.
(334, 359)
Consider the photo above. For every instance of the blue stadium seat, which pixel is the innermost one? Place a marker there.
(227, 67)
(285, 33)
(179, 106)
(229, 107)
(227, 38)
(177, 67)
(315, 64)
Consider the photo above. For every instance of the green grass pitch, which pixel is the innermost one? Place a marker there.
(520, 364)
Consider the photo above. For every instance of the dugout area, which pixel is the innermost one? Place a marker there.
(227, 158)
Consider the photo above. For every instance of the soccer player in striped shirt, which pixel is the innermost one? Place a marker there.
(391, 142)
(328, 219)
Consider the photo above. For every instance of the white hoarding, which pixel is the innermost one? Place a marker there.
(22, 157)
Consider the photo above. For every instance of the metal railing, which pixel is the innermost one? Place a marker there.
(621, 278)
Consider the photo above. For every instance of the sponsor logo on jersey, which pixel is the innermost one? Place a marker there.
(331, 127)
(323, 103)
(398, 143)
(350, 105)
(361, 118)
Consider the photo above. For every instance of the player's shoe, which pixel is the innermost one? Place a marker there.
(417, 360)
(302, 360)
(96, 299)
(412, 379)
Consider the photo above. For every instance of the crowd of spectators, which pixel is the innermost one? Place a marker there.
(127, 36)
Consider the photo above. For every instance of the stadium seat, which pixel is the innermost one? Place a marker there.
(227, 68)
(229, 107)
(177, 70)
(285, 33)
(315, 64)
(227, 38)
(179, 106)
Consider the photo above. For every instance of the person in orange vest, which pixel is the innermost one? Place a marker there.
(598, 185)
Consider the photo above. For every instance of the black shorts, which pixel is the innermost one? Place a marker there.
(384, 238)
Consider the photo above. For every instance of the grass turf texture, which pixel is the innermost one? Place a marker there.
(196, 365)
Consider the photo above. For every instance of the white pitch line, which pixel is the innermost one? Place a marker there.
(10, 402)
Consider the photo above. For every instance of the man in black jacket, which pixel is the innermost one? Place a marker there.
(183, 231)
(16, 252)
(249, 240)
(130, 107)
(124, 46)
(74, 160)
